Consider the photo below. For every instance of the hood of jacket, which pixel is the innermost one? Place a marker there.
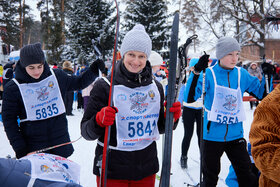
(23, 77)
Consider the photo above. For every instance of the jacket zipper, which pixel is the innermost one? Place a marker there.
(227, 124)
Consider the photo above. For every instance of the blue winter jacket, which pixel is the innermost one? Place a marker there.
(219, 132)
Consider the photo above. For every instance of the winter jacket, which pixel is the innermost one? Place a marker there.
(265, 139)
(30, 136)
(123, 165)
(86, 91)
(214, 131)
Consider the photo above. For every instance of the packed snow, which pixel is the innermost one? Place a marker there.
(84, 153)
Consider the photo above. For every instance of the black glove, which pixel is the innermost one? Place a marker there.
(202, 63)
(9, 65)
(98, 64)
(267, 68)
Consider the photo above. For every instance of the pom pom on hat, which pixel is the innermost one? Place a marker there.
(225, 45)
(31, 54)
(136, 40)
(155, 59)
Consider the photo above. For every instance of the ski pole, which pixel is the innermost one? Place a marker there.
(201, 128)
(103, 174)
(96, 49)
(181, 66)
(56, 146)
(266, 83)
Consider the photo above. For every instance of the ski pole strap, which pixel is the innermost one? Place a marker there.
(56, 146)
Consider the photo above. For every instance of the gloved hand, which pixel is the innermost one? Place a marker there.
(267, 68)
(9, 65)
(97, 64)
(106, 116)
(202, 63)
(176, 109)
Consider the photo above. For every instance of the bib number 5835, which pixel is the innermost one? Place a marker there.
(47, 111)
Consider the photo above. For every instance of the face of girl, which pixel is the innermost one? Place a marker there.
(230, 60)
(35, 70)
(134, 61)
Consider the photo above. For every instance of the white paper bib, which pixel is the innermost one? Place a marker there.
(138, 115)
(54, 168)
(42, 100)
(227, 107)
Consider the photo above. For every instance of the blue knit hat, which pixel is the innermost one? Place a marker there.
(225, 45)
(31, 54)
(137, 40)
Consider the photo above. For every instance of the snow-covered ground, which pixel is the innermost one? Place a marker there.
(84, 153)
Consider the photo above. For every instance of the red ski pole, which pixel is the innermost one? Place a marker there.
(103, 175)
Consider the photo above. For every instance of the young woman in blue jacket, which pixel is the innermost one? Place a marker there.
(224, 113)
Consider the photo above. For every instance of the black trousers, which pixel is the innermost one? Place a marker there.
(190, 116)
(238, 155)
(68, 102)
(80, 100)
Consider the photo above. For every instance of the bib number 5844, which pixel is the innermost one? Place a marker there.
(47, 111)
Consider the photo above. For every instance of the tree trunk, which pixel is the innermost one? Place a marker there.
(62, 22)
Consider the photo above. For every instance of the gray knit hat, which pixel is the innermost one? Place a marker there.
(31, 54)
(137, 40)
(225, 45)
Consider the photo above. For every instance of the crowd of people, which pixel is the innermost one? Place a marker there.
(37, 98)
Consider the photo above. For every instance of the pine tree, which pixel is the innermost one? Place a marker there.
(153, 15)
(87, 20)
(8, 20)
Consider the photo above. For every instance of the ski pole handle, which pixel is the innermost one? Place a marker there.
(96, 50)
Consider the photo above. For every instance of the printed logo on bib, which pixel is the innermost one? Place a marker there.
(138, 104)
(231, 102)
(152, 95)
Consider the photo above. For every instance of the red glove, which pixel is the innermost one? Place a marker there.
(106, 116)
(176, 109)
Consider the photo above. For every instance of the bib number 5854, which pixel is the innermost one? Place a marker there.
(47, 111)
(226, 119)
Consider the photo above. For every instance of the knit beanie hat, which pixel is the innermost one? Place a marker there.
(225, 45)
(137, 40)
(155, 59)
(31, 54)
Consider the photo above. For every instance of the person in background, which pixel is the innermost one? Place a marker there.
(265, 139)
(136, 119)
(156, 62)
(231, 180)
(224, 113)
(55, 66)
(8, 72)
(191, 113)
(80, 101)
(34, 97)
(255, 71)
(69, 96)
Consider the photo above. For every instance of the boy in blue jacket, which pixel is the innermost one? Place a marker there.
(224, 113)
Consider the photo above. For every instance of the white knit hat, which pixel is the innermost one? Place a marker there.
(136, 40)
(155, 59)
(226, 45)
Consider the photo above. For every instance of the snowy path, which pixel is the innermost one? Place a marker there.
(84, 153)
